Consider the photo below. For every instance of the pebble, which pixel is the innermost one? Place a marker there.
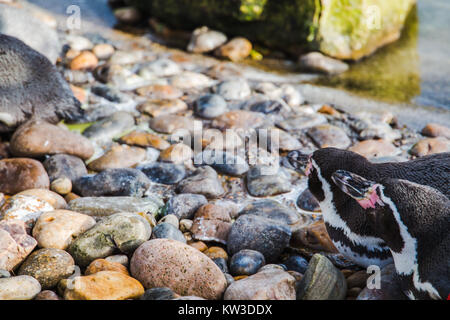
(167, 231)
(265, 181)
(176, 153)
(118, 258)
(171, 219)
(128, 15)
(144, 139)
(160, 68)
(260, 234)
(4, 274)
(106, 206)
(122, 231)
(205, 40)
(326, 136)
(104, 285)
(246, 262)
(210, 106)
(64, 166)
(24, 208)
(159, 294)
(160, 92)
(47, 295)
(273, 210)
(54, 199)
(375, 148)
(236, 49)
(276, 139)
(48, 266)
(296, 263)
(86, 60)
(306, 201)
(317, 62)
(358, 279)
(103, 51)
(222, 264)
(238, 119)
(56, 229)
(185, 205)
(186, 225)
(271, 284)
(165, 173)
(203, 181)
(314, 236)
(236, 89)
(157, 108)
(322, 281)
(170, 123)
(390, 288)
(113, 182)
(187, 80)
(105, 265)
(301, 122)
(38, 138)
(19, 174)
(211, 223)
(224, 162)
(183, 269)
(61, 186)
(429, 146)
(127, 57)
(216, 253)
(79, 43)
(436, 130)
(19, 288)
(105, 130)
(15, 244)
(118, 156)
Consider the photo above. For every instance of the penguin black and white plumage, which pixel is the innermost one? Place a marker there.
(414, 222)
(346, 224)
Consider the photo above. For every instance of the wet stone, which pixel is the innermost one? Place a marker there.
(157, 108)
(105, 265)
(160, 92)
(113, 182)
(48, 266)
(307, 201)
(267, 107)
(246, 262)
(267, 181)
(238, 119)
(176, 153)
(429, 146)
(162, 172)
(296, 263)
(314, 236)
(224, 162)
(390, 288)
(144, 139)
(210, 106)
(260, 234)
(185, 205)
(436, 130)
(236, 49)
(159, 294)
(170, 219)
(167, 231)
(203, 181)
(105, 206)
(272, 209)
(211, 223)
(222, 264)
(47, 295)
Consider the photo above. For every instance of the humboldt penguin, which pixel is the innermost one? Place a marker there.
(414, 222)
(31, 86)
(346, 224)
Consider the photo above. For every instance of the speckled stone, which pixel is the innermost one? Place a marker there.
(64, 165)
(19, 174)
(118, 156)
(19, 288)
(203, 181)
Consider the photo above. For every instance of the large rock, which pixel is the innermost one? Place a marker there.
(336, 28)
(25, 25)
(182, 268)
(269, 284)
(31, 86)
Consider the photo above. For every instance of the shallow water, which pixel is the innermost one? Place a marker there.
(408, 77)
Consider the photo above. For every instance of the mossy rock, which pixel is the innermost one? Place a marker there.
(345, 29)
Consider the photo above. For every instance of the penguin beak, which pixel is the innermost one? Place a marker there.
(362, 190)
(299, 161)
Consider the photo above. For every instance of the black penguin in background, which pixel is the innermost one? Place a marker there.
(414, 221)
(346, 224)
(31, 86)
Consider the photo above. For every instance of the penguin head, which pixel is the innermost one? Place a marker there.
(325, 162)
(370, 195)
